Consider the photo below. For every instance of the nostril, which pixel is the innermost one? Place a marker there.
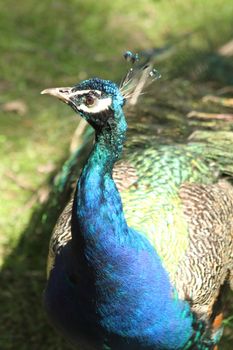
(63, 91)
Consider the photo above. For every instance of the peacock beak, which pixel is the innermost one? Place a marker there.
(63, 93)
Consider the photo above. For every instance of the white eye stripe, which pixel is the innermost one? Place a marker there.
(84, 92)
(100, 106)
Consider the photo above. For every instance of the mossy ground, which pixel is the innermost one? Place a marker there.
(53, 43)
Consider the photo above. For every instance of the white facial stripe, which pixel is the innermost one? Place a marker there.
(83, 92)
(99, 106)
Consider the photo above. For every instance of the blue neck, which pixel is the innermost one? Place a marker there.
(98, 200)
(132, 292)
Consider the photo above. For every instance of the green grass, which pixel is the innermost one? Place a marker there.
(53, 43)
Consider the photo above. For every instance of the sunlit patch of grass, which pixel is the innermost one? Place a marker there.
(29, 143)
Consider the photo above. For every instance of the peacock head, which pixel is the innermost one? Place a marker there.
(95, 100)
(99, 101)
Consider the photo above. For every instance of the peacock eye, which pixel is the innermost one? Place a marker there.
(90, 100)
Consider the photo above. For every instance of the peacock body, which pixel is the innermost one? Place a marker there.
(141, 255)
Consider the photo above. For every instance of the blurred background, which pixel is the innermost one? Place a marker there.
(58, 43)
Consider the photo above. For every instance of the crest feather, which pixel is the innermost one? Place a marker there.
(137, 78)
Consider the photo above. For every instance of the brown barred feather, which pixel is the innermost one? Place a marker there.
(208, 261)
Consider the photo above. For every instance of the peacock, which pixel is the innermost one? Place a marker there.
(142, 254)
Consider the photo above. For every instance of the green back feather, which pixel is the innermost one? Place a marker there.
(153, 206)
